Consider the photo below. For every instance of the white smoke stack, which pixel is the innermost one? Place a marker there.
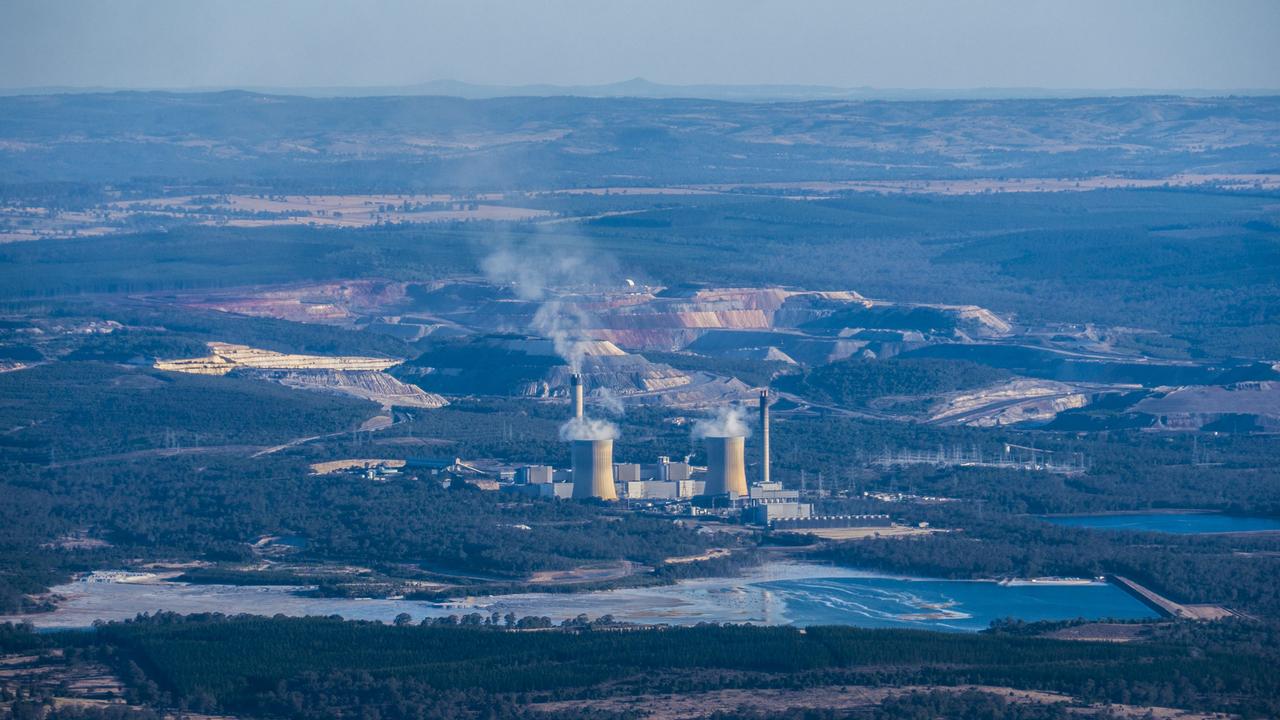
(764, 435)
(575, 383)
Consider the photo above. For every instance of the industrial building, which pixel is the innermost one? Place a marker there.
(668, 471)
(626, 472)
(830, 521)
(768, 513)
(535, 475)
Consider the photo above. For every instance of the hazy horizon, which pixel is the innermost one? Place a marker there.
(1143, 45)
(1012, 90)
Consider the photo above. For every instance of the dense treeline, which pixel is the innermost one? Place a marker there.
(930, 705)
(1169, 257)
(253, 666)
(138, 346)
(67, 410)
(858, 381)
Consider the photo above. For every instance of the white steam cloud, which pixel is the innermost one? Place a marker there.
(606, 399)
(536, 270)
(729, 421)
(533, 272)
(588, 429)
(565, 323)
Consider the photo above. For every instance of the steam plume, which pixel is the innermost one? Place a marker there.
(536, 270)
(534, 273)
(565, 324)
(729, 421)
(607, 400)
(588, 429)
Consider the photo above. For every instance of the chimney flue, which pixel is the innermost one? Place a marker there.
(764, 435)
(576, 384)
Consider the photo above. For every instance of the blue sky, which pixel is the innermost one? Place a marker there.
(1175, 44)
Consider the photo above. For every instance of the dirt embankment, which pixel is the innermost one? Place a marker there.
(686, 706)
(225, 357)
(361, 377)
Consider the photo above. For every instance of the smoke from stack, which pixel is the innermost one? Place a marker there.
(606, 399)
(566, 325)
(537, 268)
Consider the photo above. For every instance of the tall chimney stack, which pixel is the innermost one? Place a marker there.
(576, 384)
(764, 435)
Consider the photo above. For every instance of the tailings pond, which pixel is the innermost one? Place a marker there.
(1178, 523)
(776, 594)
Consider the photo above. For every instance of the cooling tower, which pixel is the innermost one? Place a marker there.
(575, 383)
(764, 436)
(726, 471)
(593, 470)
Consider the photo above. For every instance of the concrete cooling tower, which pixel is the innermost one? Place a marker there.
(726, 471)
(593, 469)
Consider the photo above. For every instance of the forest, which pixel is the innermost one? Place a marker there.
(904, 248)
(251, 666)
(70, 410)
(852, 383)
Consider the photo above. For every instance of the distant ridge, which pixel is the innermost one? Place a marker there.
(641, 88)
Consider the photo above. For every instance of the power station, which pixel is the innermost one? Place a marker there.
(595, 476)
(722, 488)
(674, 486)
